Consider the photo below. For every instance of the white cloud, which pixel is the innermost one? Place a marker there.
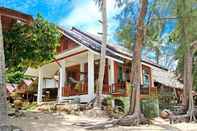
(85, 15)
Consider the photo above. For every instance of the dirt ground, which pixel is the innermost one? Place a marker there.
(34, 121)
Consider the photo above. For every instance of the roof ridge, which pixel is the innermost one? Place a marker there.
(110, 47)
(84, 33)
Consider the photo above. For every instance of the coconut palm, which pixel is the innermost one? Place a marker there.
(102, 4)
(3, 105)
(136, 68)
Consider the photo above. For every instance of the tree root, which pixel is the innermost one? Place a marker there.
(133, 120)
(95, 113)
(178, 118)
(129, 120)
(182, 118)
(10, 128)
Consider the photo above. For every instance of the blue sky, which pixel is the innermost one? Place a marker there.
(83, 14)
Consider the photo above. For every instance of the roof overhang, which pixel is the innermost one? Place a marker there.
(15, 15)
(48, 70)
(166, 78)
(88, 48)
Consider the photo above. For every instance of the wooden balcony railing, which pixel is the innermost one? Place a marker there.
(119, 89)
(70, 90)
(122, 89)
(153, 91)
(116, 89)
(144, 91)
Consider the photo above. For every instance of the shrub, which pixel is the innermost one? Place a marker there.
(167, 100)
(150, 107)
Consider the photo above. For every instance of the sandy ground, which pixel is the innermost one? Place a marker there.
(63, 122)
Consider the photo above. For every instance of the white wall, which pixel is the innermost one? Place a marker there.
(50, 83)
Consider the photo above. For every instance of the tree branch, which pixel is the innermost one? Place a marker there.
(194, 46)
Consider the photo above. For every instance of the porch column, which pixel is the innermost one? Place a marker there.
(111, 72)
(40, 85)
(90, 76)
(81, 70)
(61, 80)
(142, 76)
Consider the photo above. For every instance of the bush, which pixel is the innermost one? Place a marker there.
(150, 107)
(30, 106)
(167, 100)
(119, 105)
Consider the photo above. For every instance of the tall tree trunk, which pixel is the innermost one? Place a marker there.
(184, 22)
(99, 88)
(136, 65)
(3, 102)
(190, 83)
(185, 80)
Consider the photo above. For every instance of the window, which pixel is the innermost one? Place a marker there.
(146, 78)
(120, 73)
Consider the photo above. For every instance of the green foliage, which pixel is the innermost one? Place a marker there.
(108, 100)
(30, 106)
(195, 71)
(124, 35)
(154, 28)
(185, 33)
(149, 106)
(33, 45)
(15, 74)
(29, 45)
(167, 100)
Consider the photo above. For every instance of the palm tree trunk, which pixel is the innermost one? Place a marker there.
(157, 54)
(185, 89)
(99, 88)
(136, 66)
(189, 82)
(3, 102)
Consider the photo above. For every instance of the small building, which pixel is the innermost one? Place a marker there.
(74, 71)
(76, 68)
(10, 88)
(23, 86)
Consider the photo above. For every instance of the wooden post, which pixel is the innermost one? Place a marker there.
(40, 86)
(90, 76)
(61, 80)
(82, 78)
(111, 73)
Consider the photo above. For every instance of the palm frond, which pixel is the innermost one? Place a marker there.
(118, 3)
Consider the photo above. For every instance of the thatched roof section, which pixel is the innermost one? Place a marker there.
(166, 78)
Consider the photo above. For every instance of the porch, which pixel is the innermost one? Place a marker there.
(75, 73)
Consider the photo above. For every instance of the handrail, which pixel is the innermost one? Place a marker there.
(117, 89)
(69, 90)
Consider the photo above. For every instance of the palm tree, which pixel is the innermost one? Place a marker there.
(103, 6)
(136, 68)
(3, 104)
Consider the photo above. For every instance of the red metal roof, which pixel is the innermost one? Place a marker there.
(28, 82)
(10, 88)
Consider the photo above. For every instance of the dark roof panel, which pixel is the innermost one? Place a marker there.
(111, 51)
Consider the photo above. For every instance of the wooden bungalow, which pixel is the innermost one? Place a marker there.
(79, 56)
(27, 89)
(74, 71)
(22, 88)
